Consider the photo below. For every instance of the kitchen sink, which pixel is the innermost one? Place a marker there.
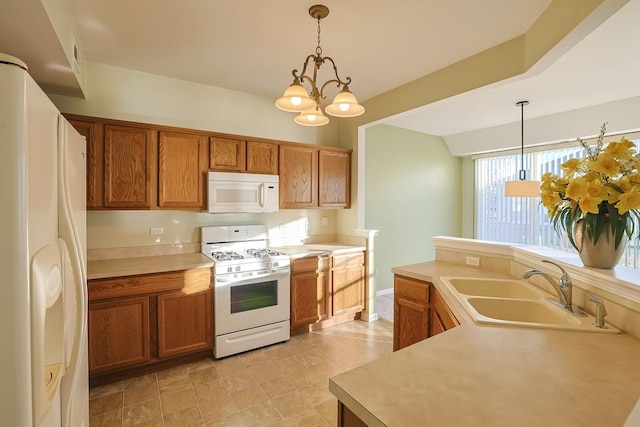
(519, 310)
(514, 302)
(500, 288)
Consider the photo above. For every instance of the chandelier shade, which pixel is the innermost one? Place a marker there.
(344, 104)
(297, 99)
(311, 117)
(522, 187)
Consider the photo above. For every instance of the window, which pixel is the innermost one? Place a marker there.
(525, 220)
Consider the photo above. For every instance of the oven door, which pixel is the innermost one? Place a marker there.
(241, 304)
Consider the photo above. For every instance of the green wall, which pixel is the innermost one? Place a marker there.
(413, 191)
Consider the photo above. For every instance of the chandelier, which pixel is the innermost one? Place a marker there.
(308, 104)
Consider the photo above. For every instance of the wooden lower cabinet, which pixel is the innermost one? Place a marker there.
(326, 290)
(308, 290)
(144, 320)
(118, 334)
(442, 318)
(347, 283)
(346, 418)
(185, 322)
(419, 312)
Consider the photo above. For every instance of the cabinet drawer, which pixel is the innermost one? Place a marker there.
(412, 289)
(347, 260)
(193, 279)
(304, 264)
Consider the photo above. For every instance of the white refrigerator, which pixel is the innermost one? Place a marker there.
(43, 294)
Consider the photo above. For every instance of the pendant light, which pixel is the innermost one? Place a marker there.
(522, 187)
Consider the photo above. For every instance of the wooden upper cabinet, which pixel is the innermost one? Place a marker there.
(298, 177)
(262, 157)
(227, 154)
(94, 134)
(129, 155)
(334, 179)
(182, 165)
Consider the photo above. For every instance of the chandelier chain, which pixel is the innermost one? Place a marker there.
(318, 49)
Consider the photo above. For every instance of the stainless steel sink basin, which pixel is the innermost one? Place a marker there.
(514, 302)
(500, 288)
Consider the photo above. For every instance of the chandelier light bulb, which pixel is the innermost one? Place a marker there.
(296, 100)
(344, 107)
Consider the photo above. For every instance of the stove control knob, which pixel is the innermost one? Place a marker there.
(238, 268)
(229, 269)
(275, 264)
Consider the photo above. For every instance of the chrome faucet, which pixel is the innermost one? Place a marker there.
(563, 287)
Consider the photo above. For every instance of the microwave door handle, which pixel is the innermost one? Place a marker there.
(261, 195)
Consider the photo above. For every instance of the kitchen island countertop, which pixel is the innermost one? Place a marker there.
(497, 376)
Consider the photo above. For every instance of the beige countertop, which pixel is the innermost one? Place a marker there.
(300, 251)
(497, 376)
(118, 267)
(100, 269)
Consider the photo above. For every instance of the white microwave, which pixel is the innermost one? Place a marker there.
(230, 192)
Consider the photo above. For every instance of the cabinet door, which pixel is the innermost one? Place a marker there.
(118, 334)
(410, 322)
(94, 134)
(185, 322)
(304, 298)
(128, 166)
(334, 179)
(262, 157)
(182, 164)
(347, 284)
(227, 154)
(298, 177)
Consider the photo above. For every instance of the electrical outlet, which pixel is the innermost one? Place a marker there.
(473, 260)
(156, 230)
(325, 221)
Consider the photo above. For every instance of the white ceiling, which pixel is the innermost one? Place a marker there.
(252, 46)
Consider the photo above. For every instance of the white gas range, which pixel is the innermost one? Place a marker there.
(252, 289)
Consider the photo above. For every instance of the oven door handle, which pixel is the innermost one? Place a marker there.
(230, 279)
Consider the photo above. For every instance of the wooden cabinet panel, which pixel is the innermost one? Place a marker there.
(304, 298)
(347, 284)
(346, 418)
(411, 311)
(308, 290)
(410, 322)
(227, 154)
(442, 319)
(128, 166)
(182, 164)
(118, 334)
(262, 157)
(298, 177)
(185, 322)
(334, 179)
(94, 135)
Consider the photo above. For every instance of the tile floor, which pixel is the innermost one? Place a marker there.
(280, 385)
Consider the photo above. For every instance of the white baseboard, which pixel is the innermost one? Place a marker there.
(384, 292)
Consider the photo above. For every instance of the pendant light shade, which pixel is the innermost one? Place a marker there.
(522, 187)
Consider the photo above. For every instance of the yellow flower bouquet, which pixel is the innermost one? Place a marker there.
(602, 187)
